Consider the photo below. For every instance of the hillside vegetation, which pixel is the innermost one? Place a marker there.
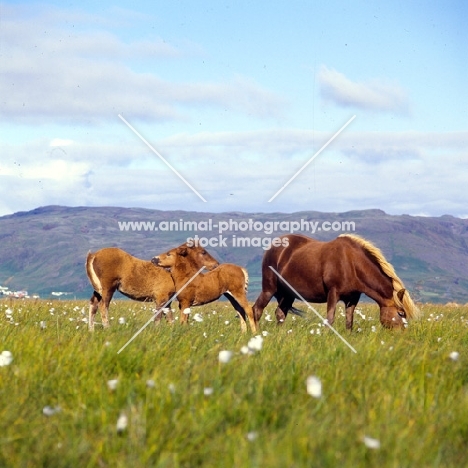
(44, 250)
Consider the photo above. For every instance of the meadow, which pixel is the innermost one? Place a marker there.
(68, 398)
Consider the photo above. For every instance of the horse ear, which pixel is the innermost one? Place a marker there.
(401, 293)
(183, 251)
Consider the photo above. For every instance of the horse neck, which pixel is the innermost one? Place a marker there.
(182, 272)
(379, 287)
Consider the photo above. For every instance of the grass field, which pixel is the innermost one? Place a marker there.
(400, 401)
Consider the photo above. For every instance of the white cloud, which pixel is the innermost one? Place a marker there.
(72, 74)
(375, 95)
(59, 142)
(241, 171)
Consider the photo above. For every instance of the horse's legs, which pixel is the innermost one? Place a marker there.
(285, 303)
(269, 288)
(93, 307)
(183, 306)
(160, 311)
(243, 308)
(240, 311)
(260, 304)
(169, 314)
(332, 300)
(350, 304)
(106, 298)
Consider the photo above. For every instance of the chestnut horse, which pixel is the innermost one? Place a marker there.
(226, 279)
(112, 269)
(341, 269)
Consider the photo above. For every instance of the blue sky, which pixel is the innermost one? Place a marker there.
(237, 98)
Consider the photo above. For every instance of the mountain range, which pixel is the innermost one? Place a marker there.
(43, 251)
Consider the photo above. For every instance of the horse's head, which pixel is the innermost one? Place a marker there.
(393, 315)
(196, 255)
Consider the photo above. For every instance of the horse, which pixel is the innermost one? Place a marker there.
(226, 279)
(112, 269)
(338, 270)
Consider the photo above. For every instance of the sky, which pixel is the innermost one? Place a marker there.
(214, 106)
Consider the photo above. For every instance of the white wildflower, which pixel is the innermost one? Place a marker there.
(246, 350)
(49, 411)
(255, 343)
(208, 391)
(198, 318)
(122, 423)
(358, 311)
(268, 318)
(6, 358)
(122, 320)
(251, 436)
(225, 356)
(112, 384)
(371, 443)
(454, 356)
(314, 386)
(150, 383)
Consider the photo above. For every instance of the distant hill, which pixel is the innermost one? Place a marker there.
(44, 250)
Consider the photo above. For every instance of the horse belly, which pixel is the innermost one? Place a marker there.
(136, 294)
(206, 294)
(306, 281)
(138, 288)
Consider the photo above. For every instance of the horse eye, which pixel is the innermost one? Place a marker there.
(401, 314)
(204, 252)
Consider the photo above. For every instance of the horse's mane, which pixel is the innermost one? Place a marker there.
(406, 303)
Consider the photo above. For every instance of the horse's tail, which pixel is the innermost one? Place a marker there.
(93, 278)
(246, 279)
(298, 312)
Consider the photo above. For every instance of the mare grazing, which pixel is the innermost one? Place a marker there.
(226, 279)
(341, 269)
(112, 269)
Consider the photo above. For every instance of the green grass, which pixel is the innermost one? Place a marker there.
(400, 388)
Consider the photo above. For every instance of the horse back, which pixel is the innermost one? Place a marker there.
(312, 267)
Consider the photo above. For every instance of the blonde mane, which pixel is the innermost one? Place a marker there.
(406, 303)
